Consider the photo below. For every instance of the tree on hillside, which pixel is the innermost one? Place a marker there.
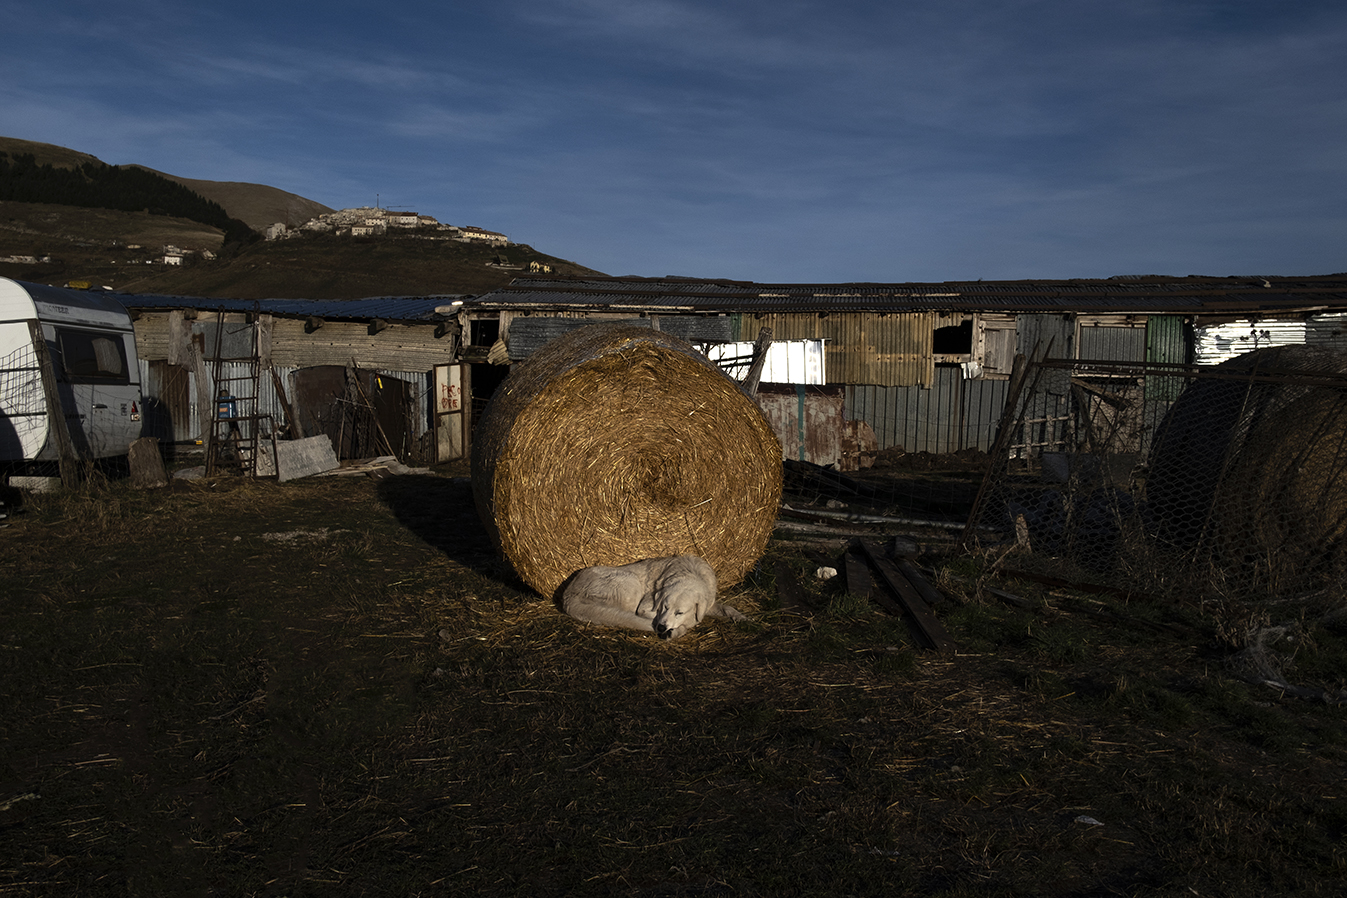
(96, 185)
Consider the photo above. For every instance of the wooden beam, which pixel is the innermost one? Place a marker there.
(859, 582)
(927, 625)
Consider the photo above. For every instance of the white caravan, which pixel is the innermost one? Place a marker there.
(92, 346)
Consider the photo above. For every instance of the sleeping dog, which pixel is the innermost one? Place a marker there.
(666, 596)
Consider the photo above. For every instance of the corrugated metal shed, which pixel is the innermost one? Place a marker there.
(399, 346)
(862, 347)
(173, 413)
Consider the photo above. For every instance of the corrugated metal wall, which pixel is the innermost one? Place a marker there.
(172, 394)
(1215, 343)
(173, 413)
(1328, 329)
(955, 413)
(1112, 343)
(862, 347)
(1044, 404)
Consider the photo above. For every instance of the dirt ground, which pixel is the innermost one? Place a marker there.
(334, 687)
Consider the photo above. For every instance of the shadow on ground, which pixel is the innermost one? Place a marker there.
(441, 512)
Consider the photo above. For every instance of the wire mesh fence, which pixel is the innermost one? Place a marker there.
(23, 404)
(1228, 482)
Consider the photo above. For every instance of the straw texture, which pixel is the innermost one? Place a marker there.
(616, 443)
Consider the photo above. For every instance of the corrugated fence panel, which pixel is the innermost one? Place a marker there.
(1165, 339)
(862, 347)
(1113, 344)
(954, 414)
(1165, 344)
(984, 401)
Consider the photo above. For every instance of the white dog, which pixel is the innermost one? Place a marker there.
(666, 596)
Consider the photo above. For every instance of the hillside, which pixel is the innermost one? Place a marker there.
(124, 250)
(349, 268)
(47, 153)
(257, 205)
(97, 185)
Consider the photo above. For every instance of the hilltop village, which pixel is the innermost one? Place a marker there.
(372, 221)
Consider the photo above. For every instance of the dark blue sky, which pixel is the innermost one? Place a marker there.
(768, 141)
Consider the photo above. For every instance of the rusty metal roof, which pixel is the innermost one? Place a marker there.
(1140, 294)
(1147, 294)
(387, 308)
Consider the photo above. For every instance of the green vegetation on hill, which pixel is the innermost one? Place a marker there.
(97, 185)
(330, 267)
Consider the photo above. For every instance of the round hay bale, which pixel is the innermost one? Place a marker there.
(1282, 508)
(615, 443)
(1253, 474)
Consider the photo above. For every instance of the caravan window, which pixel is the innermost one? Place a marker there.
(92, 356)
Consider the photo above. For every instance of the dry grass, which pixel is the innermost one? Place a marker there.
(334, 687)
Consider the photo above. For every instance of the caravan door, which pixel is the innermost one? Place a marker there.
(103, 394)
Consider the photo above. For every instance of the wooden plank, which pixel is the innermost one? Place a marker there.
(292, 424)
(859, 582)
(760, 347)
(918, 580)
(302, 458)
(928, 626)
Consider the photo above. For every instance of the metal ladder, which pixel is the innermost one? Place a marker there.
(237, 422)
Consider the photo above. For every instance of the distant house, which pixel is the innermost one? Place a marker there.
(402, 219)
(484, 236)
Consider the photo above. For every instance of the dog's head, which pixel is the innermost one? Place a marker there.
(680, 603)
(675, 616)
